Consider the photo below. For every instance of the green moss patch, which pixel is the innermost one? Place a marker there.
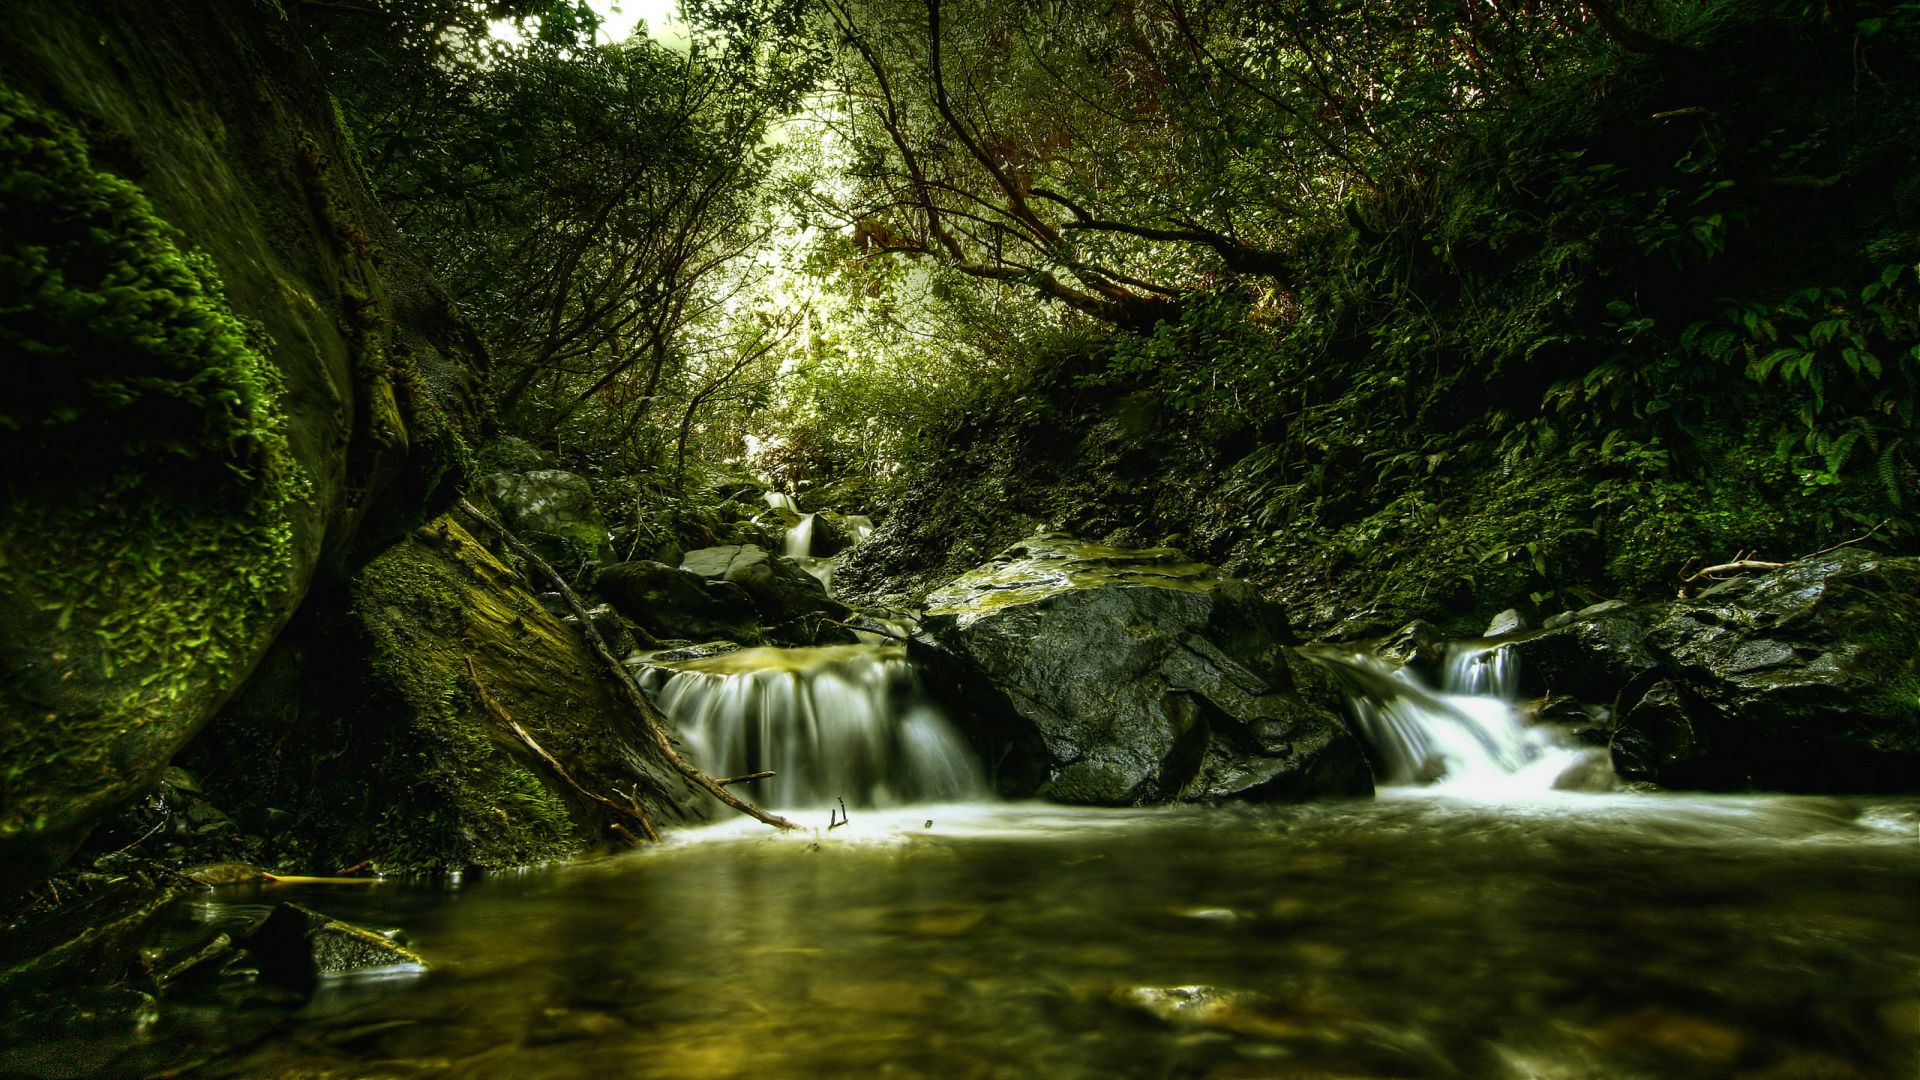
(146, 541)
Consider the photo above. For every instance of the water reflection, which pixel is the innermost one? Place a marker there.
(1617, 936)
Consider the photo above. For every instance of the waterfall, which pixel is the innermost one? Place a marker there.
(1468, 737)
(780, 500)
(842, 721)
(800, 538)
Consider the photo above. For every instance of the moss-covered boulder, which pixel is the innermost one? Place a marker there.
(390, 738)
(1123, 677)
(216, 365)
(554, 513)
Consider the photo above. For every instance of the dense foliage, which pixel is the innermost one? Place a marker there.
(1490, 299)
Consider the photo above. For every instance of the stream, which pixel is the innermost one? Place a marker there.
(1470, 922)
(1413, 936)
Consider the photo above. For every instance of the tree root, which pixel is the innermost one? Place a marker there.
(649, 715)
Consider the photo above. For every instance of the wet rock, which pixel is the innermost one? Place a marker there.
(1591, 657)
(621, 634)
(672, 603)
(1654, 740)
(791, 602)
(1419, 644)
(1507, 622)
(692, 652)
(295, 945)
(92, 938)
(553, 512)
(1122, 677)
(1803, 679)
(214, 875)
(194, 961)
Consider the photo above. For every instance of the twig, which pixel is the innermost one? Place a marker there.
(649, 715)
(832, 823)
(1855, 540)
(866, 629)
(746, 778)
(1744, 560)
(560, 770)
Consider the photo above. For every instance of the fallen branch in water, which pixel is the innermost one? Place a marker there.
(500, 711)
(832, 822)
(649, 715)
(745, 778)
(298, 879)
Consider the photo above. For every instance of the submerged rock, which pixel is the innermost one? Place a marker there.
(1121, 677)
(295, 945)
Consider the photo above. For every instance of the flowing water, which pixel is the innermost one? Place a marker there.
(1468, 737)
(1431, 932)
(835, 722)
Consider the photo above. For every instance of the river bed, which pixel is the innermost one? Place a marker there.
(1619, 936)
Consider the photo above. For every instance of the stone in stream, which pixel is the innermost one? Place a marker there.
(1805, 678)
(790, 601)
(295, 945)
(1123, 677)
(674, 604)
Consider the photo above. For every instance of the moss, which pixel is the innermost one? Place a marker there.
(147, 502)
(455, 798)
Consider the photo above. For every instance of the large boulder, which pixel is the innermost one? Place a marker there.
(674, 604)
(792, 603)
(1124, 677)
(553, 512)
(1806, 678)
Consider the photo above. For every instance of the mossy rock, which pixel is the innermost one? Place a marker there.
(409, 766)
(1101, 675)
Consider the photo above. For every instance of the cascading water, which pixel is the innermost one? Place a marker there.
(1466, 738)
(798, 543)
(842, 721)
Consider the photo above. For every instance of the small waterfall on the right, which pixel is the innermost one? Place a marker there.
(1467, 737)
